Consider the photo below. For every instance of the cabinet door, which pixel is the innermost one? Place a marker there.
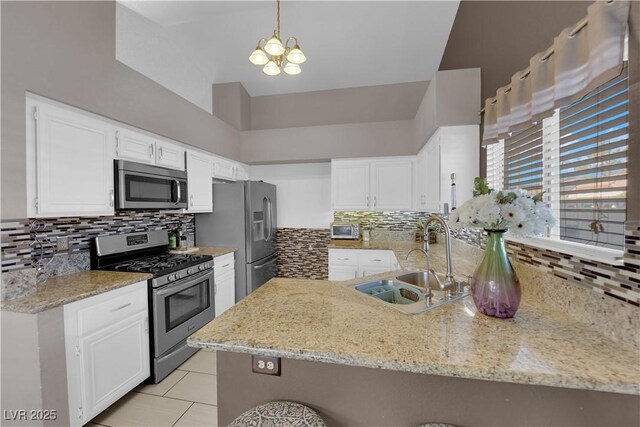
(199, 167)
(135, 146)
(432, 189)
(73, 164)
(223, 169)
(392, 184)
(421, 184)
(169, 155)
(342, 273)
(225, 295)
(113, 361)
(460, 154)
(350, 185)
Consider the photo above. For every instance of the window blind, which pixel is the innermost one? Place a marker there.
(495, 165)
(578, 157)
(592, 154)
(523, 160)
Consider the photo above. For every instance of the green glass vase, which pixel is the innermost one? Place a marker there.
(495, 286)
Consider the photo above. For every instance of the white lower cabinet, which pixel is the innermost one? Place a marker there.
(225, 282)
(107, 349)
(346, 264)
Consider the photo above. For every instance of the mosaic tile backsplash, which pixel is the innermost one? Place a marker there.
(21, 239)
(303, 252)
(392, 221)
(617, 281)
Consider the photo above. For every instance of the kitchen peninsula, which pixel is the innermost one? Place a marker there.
(551, 368)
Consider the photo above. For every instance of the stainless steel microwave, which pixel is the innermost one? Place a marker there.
(346, 231)
(140, 186)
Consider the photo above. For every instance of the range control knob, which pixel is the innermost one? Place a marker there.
(189, 270)
(202, 267)
(171, 277)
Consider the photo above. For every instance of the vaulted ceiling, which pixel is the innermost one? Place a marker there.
(188, 46)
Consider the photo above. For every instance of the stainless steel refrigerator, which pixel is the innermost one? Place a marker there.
(244, 217)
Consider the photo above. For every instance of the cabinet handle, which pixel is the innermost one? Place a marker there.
(378, 260)
(111, 198)
(120, 308)
(226, 265)
(343, 259)
(151, 150)
(375, 201)
(368, 204)
(160, 153)
(117, 143)
(191, 200)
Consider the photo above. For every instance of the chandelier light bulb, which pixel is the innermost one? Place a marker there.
(274, 46)
(258, 57)
(271, 68)
(292, 69)
(296, 56)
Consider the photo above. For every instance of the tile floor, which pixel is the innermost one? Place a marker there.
(187, 397)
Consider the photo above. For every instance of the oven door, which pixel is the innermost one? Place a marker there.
(149, 187)
(181, 308)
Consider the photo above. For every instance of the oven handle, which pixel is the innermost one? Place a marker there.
(182, 284)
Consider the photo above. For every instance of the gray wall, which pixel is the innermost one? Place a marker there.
(354, 396)
(340, 106)
(452, 99)
(66, 51)
(232, 103)
(321, 143)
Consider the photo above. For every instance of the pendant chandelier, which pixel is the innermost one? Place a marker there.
(274, 54)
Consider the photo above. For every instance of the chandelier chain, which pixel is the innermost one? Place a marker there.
(278, 17)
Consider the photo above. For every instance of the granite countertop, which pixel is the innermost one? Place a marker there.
(60, 290)
(325, 321)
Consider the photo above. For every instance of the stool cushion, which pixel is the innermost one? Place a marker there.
(279, 414)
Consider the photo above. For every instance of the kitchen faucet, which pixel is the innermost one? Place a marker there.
(449, 279)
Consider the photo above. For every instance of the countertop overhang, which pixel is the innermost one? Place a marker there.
(325, 321)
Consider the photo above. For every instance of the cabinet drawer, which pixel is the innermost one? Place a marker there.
(103, 310)
(347, 257)
(375, 258)
(223, 264)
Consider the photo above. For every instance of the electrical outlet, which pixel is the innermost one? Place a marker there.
(266, 365)
(62, 244)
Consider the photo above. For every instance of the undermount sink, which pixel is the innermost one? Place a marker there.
(407, 292)
(391, 292)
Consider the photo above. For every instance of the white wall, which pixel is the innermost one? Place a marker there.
(304, 193)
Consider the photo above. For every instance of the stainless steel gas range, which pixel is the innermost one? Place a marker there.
(181, 292)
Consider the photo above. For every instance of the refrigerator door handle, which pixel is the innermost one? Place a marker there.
(263, 265)
(266, 202)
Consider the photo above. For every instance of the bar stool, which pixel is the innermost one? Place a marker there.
(279, 414)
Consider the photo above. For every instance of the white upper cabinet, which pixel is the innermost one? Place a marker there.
(372, 184)
(392, 184)
(142, 148)
(70, 166)
(453, 149)
(350, 184)
(170, 155)
(135, 146)
(223, 169)
(199, 167)
(432, 186)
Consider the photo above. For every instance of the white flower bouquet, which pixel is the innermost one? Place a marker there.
(513, 210)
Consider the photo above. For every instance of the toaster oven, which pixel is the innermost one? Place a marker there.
(345, 231)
